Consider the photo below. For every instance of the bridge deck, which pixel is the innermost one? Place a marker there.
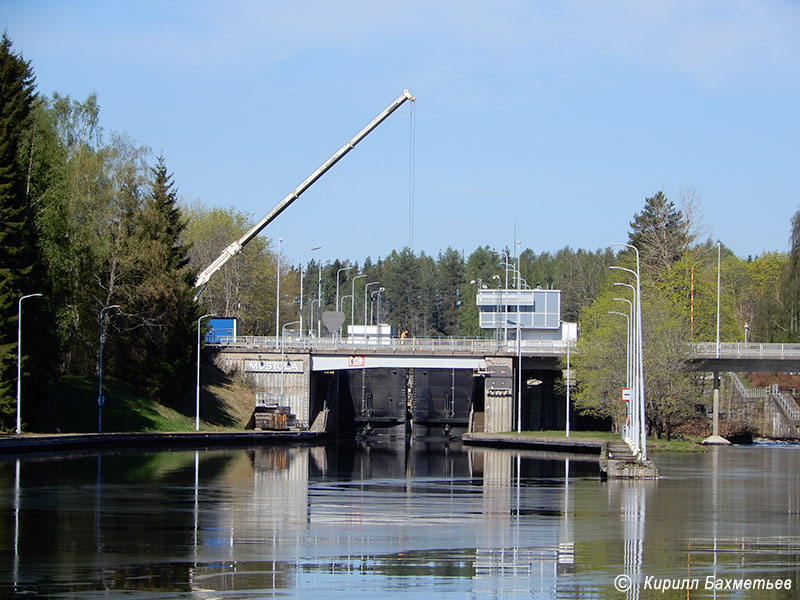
(733, 356)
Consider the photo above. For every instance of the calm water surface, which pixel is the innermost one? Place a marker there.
(388, 521)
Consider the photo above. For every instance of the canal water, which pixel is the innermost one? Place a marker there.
(427, 520)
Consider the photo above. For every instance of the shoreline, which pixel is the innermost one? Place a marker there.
(34, 442)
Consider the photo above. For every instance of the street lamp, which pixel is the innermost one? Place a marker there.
(197, 402)
(569, 343)
(100, 398)
(628, 354)
(337, 292)
(283, 357)
(366, 287)
(278, 295)
(519, 374)
(378, 311)
(351, 306)
(627, 361)
(302, 265)
(640, 365)
(715, 422)
(319, 300)
(19, 361)
(353, 299)
(311, 310)
(637, 407)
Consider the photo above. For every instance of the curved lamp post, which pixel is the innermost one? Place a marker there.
(627, 358)
(278, 295)
(353, 300)
(101, 400)
(197, 401)
(19, 361)
(366, 287)
(302, 268)
(378, 293)
(283, 356)
(640, 366)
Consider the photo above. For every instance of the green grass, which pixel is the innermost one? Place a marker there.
(691, 444)
(71, 406)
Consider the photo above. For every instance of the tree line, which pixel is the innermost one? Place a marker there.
(91, 220)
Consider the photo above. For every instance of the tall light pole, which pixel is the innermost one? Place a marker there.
(345, 297)
(283, 357)
(353, 300)
(19, 361)
(302, 267)
(569, 343)
(101, 400)
(628, 353)
(715, 423)
(337, 284)
(636, 407)
(311, 310)
(278, 296)
(319, 299)
(378, 293)
(337, 292)
(627, 361)
(633, 358)
(366, 287)
(640, 365)
(197, 401)
(519, 376)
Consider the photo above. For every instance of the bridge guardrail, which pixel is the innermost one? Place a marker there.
(456, 345)
(397, 345)
(748, 392)
(741, 350)
(787, 404)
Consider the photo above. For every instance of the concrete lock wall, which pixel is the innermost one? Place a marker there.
(498, 399)
(265, 371)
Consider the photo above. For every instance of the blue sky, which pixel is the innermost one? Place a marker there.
(559, 116)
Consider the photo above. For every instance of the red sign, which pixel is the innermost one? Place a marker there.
(625, 395)
(355, 361)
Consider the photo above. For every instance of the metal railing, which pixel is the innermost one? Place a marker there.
(787, 404)
(745, 391)
(464, 345)
(740, 350)
(395, 345)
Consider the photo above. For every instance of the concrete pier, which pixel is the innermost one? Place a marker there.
(615, 459)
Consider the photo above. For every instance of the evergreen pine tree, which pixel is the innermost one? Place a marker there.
(159, 313)
(19, 264)
(658, 232)
(450, 278)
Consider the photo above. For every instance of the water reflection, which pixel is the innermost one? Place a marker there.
(360, 519)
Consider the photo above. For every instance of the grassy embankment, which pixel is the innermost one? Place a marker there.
(71, 407)
(690, 444)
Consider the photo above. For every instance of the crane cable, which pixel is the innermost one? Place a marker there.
(412, 142)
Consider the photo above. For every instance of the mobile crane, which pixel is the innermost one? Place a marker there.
(237, 246)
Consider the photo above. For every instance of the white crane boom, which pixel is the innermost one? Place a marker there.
(236, 247)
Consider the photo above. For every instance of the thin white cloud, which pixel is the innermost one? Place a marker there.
(716, 43)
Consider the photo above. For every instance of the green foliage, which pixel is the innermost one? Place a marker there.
(155, 347)
(449, 279)
(245, 287)
(658, 231)
(483, 269)
(600, 362)
(402, 278)
(20, 263)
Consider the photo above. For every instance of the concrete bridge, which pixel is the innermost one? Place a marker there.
(739, 357)
(307, 376)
